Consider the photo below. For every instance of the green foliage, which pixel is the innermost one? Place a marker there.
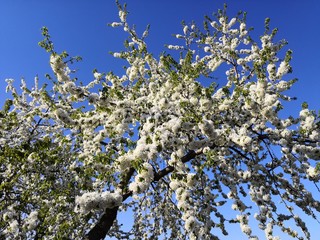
(46, 43)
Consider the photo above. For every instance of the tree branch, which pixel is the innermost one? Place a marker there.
(126, 178)
(186, 158)
(102, 227)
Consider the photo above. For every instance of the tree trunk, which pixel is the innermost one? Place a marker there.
(100, 230)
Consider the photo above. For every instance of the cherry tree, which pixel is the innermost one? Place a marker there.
(163, 141)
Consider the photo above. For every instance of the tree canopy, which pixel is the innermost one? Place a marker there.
(164, 140)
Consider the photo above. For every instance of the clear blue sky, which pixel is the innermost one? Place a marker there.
(80, 27)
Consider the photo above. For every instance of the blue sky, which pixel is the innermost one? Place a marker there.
(80, 27)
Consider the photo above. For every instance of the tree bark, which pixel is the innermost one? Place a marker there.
(100, 230)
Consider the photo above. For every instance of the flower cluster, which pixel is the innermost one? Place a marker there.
(97, 201)
(142, 180)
